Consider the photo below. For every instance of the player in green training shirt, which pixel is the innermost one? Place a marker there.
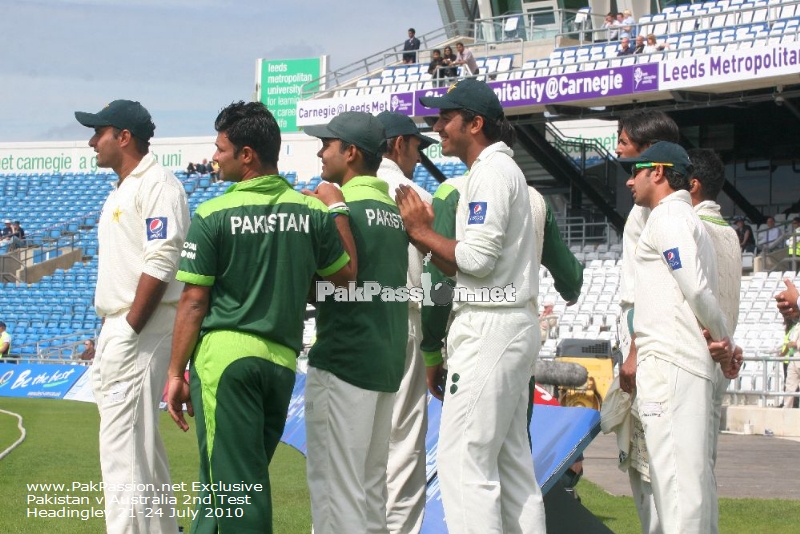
(248, 262)
(356, 365)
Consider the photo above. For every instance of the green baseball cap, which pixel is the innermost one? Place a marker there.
(469, 93)
(397, 124)
(664, 153)
(359, 128)
(122, 114)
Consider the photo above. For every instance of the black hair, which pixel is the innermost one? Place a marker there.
(676, 180)
(494, 129)
(370, 161)
(644, 127)
(142, 145)
(251, 124)
(708, 170)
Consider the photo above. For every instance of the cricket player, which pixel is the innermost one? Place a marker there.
(675, 278)
(141, 232)
(356, 364)
(406, 476)
(240, 317)
(485, 467)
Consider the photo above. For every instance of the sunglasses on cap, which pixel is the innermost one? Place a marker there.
(638, 166)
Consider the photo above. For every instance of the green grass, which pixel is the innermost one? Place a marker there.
(737, 516)
(61, 447)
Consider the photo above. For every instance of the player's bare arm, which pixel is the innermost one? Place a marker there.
(149, 292)
(330, 195)
(192, 308)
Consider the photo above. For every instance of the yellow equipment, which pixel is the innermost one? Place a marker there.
(595, 356)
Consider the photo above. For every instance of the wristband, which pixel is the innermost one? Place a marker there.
(338, 212)
(337, 205)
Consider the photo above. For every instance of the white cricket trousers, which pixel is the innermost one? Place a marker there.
(129, 373)
(484, 461)
(675, 408)
(406, 478)
(347, 436)
(792, 382)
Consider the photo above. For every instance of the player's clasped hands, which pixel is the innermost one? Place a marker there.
(417, 215)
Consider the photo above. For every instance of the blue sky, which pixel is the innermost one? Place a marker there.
(183, 59)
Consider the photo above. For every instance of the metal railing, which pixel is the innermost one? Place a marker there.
(390, 56)
(56, 348)
(789, 260)
(675, 26)
(767, 373)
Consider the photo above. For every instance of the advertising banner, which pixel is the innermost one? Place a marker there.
(38, 379)
(731, 66)
(280, 83)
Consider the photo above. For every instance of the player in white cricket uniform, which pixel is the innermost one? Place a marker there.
(636, 131)
(705, 184)
(406, 478)
(485, 469)
(675, 284)
(141, 233)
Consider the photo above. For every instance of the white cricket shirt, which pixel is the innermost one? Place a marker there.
(142, 229)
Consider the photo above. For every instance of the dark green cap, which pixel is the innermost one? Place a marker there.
(122, 114)
(359, 128)
(397, 124)
(661, 152)
(470, 94)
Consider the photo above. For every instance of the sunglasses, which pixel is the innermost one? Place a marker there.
(638, 166)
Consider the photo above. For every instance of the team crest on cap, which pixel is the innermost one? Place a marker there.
(673, 257)
(477, 213)
(452, 87)
(156, 228)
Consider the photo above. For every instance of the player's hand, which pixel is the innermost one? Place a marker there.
(177, 395)
(787, 300)
(417, 214)
(627, 372)
(732, 371)
(436, 376)
(327, 193)
(721, 351)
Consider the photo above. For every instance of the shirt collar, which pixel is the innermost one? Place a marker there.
(261, 184)
(677, 196)
(492, 149)
(367, 181)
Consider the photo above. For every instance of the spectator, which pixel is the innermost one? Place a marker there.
(215, 171)
(625, 48)
(5, 343)
(205, 167)
(611, 26)
(6, 232)
(411, 46)
(465, 57)
(745, 233)
(436, 66)
(770, 240)
(791, 366)
(17, 236)
(628, 28)
(793, 241)
(191, 168)
(652, 45)
(639, 48)
(88, 350)
(448, 58)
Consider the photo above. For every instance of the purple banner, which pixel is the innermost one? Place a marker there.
(560, 88)
(402, 103)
